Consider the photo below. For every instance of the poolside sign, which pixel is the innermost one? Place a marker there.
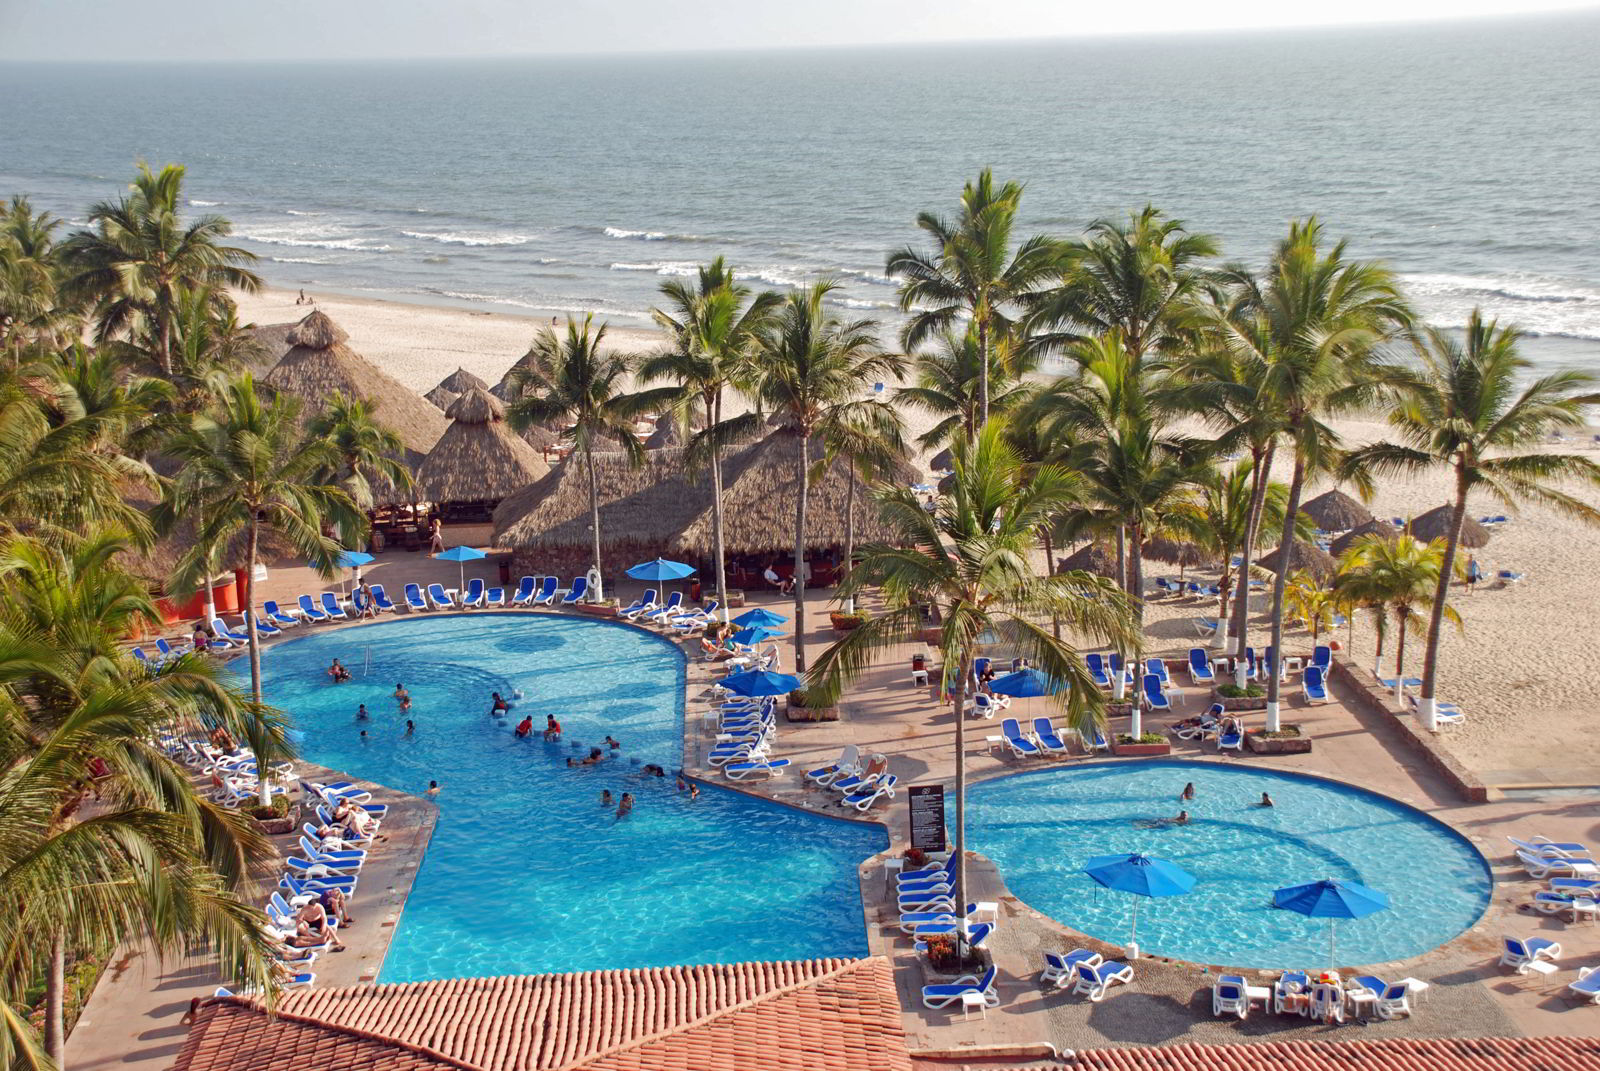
(927, 817)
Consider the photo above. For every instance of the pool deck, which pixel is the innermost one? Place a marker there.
(1167, 1003)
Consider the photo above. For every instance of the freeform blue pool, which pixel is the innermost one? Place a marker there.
(1040, 828)
(527, 872)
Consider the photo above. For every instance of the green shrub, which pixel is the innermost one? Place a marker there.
(1233, 691)
(1144, 738)
(278, 808)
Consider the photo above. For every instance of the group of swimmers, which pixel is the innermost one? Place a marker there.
(1187, 796)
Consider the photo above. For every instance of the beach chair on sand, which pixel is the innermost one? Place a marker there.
(473, 597)
(525, 590)
(441, 599)
(309, 611)
(941, 996)
(580, 588)
(414, 599)
(1094, 980)
(546, 593)
(1312, 684)
(1518, 952)
(1200, 670)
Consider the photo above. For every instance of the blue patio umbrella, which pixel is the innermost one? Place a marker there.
(461, 555)
(761, 682)
(1142, 875)
(759, 616)
(1025, 683)
(753, 635)
(347, 559)
(661, 569)
(1332, 900)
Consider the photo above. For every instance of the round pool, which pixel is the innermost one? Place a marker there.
(1041, 827)
(527, 872)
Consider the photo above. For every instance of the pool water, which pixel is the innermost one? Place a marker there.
(527, 872)
(1040, 829)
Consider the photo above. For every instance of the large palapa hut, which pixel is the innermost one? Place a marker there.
(319, 363)
(1435, 524)
(1335, 511)
(478, 461)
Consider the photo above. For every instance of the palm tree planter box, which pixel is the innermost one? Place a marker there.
(1131, 750)
(1243, 702)
(1119, 708)
(932, 636)
(978, 960)
(735, 597)
(285, 822)
(1287, 741)
(598, 609)
(796, 710)
(846, 622)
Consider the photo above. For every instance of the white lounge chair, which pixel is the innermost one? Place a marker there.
(1231, 996)
(580, 588)
(1019, 744)
(755, 767)
(643, 603)
(1542, 866)
(849, 761)
(414, 600)
(940, 996)
(525, 591)
(1518, 952)
(1094, 980)
(1200, 670)
(1058, 969)
(864, 797)
(1587, 986)
(1545, 846)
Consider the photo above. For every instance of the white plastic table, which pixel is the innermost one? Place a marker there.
(1417, 986)
(973, 999)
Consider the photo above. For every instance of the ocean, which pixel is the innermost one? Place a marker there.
(1464, 154)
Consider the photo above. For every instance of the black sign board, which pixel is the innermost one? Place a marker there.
(927, 817)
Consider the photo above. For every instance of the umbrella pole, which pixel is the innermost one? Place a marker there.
(461, 572)
(1333, 928)
(1133, 939)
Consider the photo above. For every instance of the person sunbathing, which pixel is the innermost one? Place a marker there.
(313, 922)
(333, 902)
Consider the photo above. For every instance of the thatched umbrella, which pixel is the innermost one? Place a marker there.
(1174, 552)
(1313, 559)
(478, 458)
(947, 484)
(319, 363)
(442, 396)
(1336, 511)
(1377, 528)
(667, 434)
(942, 461)
(460, 381)
(1094, 558)
(1435, 524)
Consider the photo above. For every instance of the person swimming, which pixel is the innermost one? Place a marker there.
(595, 756)
(1161, 823)
(401, 693)
(1266, 800)
(614, 745)
(1188, 792)
(694, 790)
(361, 712)
(626, 806)
(1182, 819)
(411, 727)
(652, 769)
(338, 672)
(525, 727)
(405, 704)
(433, 790)
(605, 797)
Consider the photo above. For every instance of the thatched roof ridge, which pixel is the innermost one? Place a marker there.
(667, 433)
(1318, 562)
(1335, 511)
(1094, 558)
(943, 461)
(477, 406)
(461, 380)
(1348, 540)
(477, 459)
(1174, 552)
(1435, 524)
(643, 507)
(442, 397)
(320, 363)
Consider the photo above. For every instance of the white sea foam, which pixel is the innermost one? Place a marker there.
(868, 277)
(298, 212)
(661, 267)
(1537, 304)
(197, 203)
(310, 236)
(649, 236)
(300, 260)
(472, 238)
(857, 303)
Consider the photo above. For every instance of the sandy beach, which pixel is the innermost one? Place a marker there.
(1521, 668)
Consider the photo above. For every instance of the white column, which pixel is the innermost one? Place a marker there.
(1136, 721)
(1428, 712)
(1272, 717)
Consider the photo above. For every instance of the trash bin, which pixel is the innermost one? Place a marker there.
(505, 572)
(694, 590)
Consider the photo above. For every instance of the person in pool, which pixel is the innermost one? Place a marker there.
(596, 756)
(361, 712)
(1188, 792)
(499, 705)
(338, 672)
(433, 790)
(411, 727)
(401, 694)
(653, 769)
(626, 806)
(1266, 800)
(1182, 819)
(605, 797)
(405, 704)
(552, 728)
(614, 745)
(694, 790)
(525, 727)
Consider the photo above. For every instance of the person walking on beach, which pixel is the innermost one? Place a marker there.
(1474, 573)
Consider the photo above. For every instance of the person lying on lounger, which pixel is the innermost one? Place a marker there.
(312, 922)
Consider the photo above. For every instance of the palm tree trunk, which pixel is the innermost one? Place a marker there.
(983, 372)
(1136, 571)
(1428, 705)
(1122, 558)
(959, 872)
(713, 418)
(800, 553)
(594, 521)
(55, 1016)
(1296, 485)
(1225, 587)
(1050, 570)
(165, 353)
(1400, 649)
(263, 773)
(849, 529)
(1260, 476)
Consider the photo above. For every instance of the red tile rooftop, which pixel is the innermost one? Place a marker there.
(814, 1015)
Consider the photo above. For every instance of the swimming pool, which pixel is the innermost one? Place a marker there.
(527, 872)
(1040, 828)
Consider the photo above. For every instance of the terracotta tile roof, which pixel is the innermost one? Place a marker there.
(815, 1015)
(1388, 1054)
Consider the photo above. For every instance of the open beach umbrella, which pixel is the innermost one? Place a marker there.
(461, 555)
(753, 634)
(349, 559)
(761, 682)
(758, 616)
(1142, 875)
(661, 569)
(1331, 900)
(1024, 683)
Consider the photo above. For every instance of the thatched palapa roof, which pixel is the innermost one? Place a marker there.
(1313, 559)
(1435, 524)
(478, 458)
(1336, 511)
(1094, 558)
(460, 381)
(442, 396)
(1174, 552)
(943, 461)
(1348, 540)
(319, 363)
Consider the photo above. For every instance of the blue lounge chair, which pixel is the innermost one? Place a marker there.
(1289, 984)
(441, 599)
(150, 664)
(277, 616)
(330, 605)
(342, 855)
(1159, 668)
(868, 794)
(1322, 657)
(265, 628)
(1315, 688)
(755, 767)
(1232, 736)
(525, 589)
(547, 593)
(309, 611)
(1094, 980)
(977, 933)
(1587, 986)
(1166, 587)
(665, 611)
(941, 996)
(380, 600)
(1047, 737)
(1546, 846)
(494, 597)
(1200, 670)
(1097, 669)
(849, 761)
(1230, 996)
(1509, 576)
(167, 651)
(1094, 740)
(226, 633)
(1252, 667)
(1518, 952)
(1058, 969)
(1020, 745)
(414, 600)
(474, 594)
(647, 601)
(1154, 697)
(1205, 626)
(580, 588)
(910, 920)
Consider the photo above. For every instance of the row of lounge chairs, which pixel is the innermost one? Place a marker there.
(1572, 887)
(861, 784)
(648, 610)
(927, 911)
(1325, 997)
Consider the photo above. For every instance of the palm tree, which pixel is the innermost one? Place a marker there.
(1311, 603)
(969, 561)
(367, 454)
(1394, 575)
(140, 257)
(1137, 278)
(1313, 323)
(248, 469)
(812, 368)
(151, 861)
(1464, 411)
(207, 338)
(715, 327)
(32, 313)
(573, 380)
(869, 439)
(947, 382)
(972, 272)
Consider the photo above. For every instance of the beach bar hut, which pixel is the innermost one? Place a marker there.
(1382, 529)
(1094, 558)
(478, 461)
(460, 381)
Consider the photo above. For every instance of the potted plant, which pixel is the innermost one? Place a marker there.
(847, 622)
(273, 818)
(1288, 740)
(800, 708)
(1233, 697)
(1145, 744)
(944, 957)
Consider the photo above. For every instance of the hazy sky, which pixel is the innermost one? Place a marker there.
(308, 29)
